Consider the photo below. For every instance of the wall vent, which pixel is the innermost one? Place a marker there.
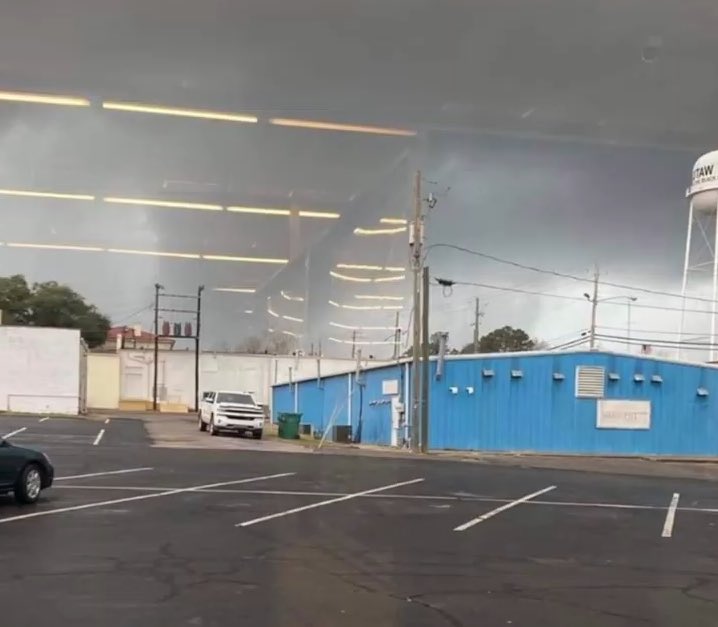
(590, 381)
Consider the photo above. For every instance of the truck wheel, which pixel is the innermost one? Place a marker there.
(200, 424)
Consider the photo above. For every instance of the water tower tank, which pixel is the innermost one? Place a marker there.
(703, 191)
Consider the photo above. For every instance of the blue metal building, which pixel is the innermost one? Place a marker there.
(570, 402)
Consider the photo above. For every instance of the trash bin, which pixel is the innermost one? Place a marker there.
(289, 426)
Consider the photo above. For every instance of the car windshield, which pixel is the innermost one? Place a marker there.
(235, 397)
(418, 233)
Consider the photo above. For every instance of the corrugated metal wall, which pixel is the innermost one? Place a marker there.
(364, 407)
(539, 413)
(533, 412)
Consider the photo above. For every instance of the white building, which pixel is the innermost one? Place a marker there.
(42, 370)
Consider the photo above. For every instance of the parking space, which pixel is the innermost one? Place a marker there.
(134, 534)
(58, 432)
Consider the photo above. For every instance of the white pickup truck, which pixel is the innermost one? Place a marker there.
(230, 411)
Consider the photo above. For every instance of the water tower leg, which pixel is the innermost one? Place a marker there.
(715, 291)
(689, 236)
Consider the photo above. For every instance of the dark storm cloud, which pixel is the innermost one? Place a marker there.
(552, 204)
(541, 201)
(560, 206)
(518, 70)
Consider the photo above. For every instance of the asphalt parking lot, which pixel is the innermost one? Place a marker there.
(133, 534)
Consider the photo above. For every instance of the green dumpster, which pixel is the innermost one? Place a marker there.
(289, 426)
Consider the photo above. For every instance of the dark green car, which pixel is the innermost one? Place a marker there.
(24, 472)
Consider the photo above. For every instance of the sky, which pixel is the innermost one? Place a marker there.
(559, 148)
(565, 207)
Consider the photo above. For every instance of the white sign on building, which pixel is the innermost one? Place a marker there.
(620, 414)
(390, 387)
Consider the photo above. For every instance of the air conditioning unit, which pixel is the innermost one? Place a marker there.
(342, 434)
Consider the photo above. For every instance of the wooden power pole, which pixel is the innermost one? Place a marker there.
(417, 262)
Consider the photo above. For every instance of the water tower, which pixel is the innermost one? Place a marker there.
(702, 237)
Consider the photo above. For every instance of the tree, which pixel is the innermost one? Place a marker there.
(434, 344)
(468, 349)
(51, 304)
(503, 340)
(252, 345)
(15, 297)
(270, 343)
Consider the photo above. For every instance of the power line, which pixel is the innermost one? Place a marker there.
(572, 344)
(564, 275)
(505, 288)
(656, 341)
(133, 314)
(654, 345)
(623, 328)
(517, 290)
(565, 336)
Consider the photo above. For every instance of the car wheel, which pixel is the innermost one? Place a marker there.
(257, 435)
(202, 426)
(212, 428)
(29, 484)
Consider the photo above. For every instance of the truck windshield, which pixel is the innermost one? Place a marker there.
(230, 397)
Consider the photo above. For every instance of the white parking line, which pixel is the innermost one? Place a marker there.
(670, 516)
(346, 497)
(99, 437)
(397, 497)
(102, 474)
(44, 419)
(12, 433)
(141, 497)
(503, 508)
(107, 421)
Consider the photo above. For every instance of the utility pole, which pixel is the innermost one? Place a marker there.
(416, 256)
(477, 325)
(200, 289)
(158, 287)
(425, 360)
(594, 307)
(177, 335)
(397, 336)
(629, 300)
